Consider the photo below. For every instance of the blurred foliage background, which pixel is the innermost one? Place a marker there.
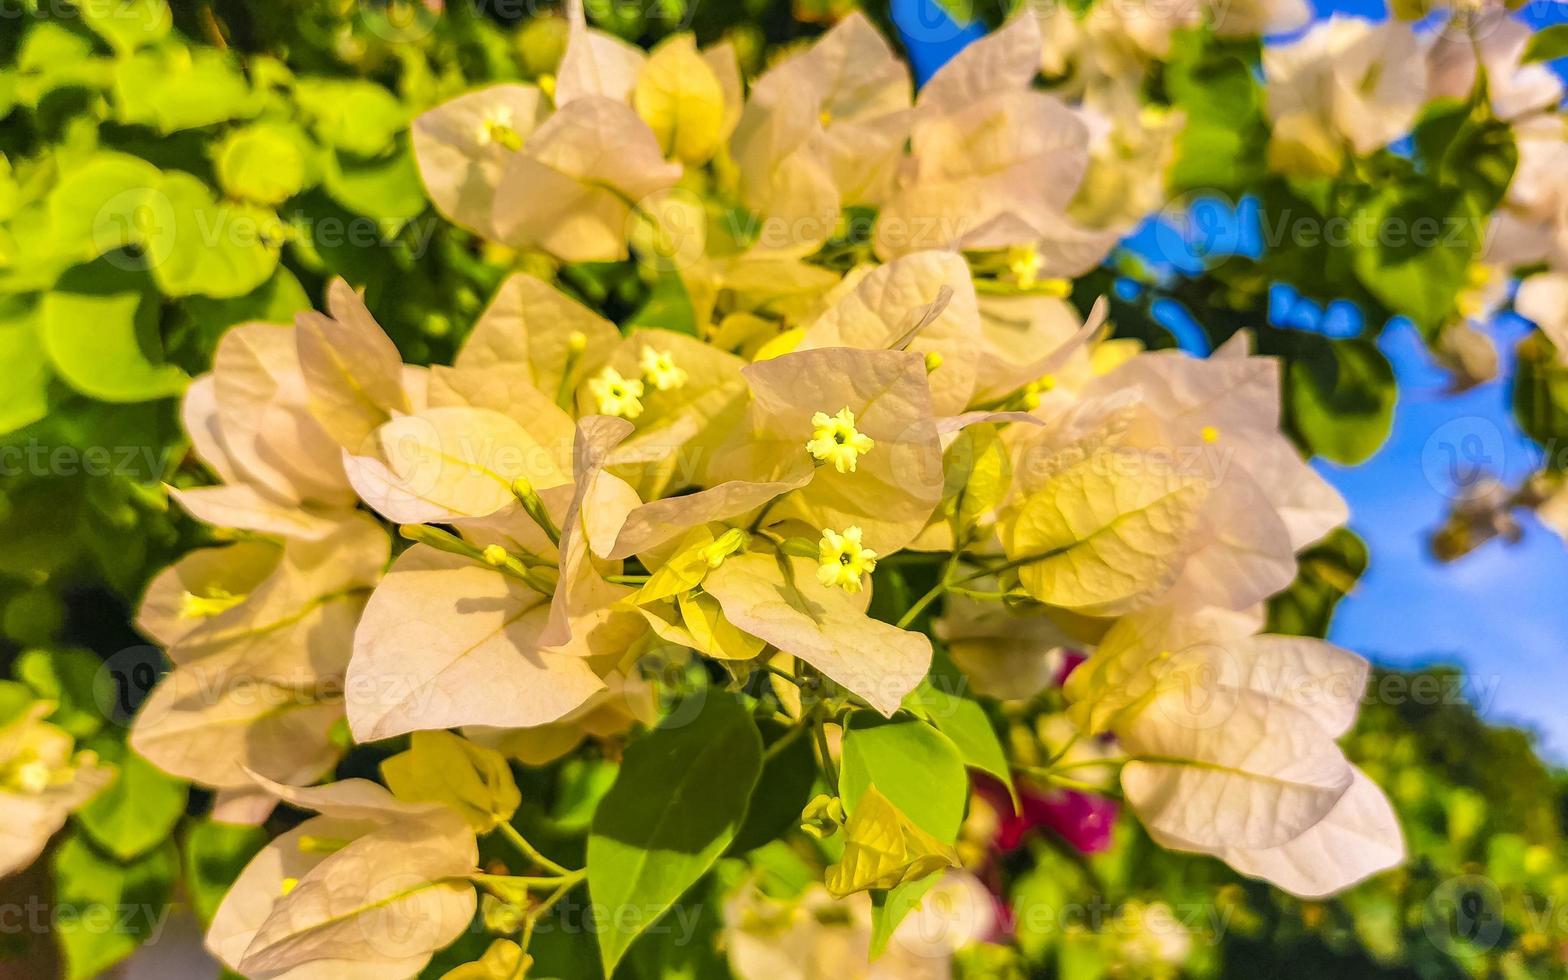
(275, 136)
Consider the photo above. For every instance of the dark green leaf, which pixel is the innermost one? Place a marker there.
(1342, 400)
(1329, 569)
(1547, 44)
(215, 854)
(1412, 247)
(788, 772)
(676, 805)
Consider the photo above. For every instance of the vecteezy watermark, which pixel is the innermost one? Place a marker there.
(1463, 457)
(35, 458)
(35, 916)
(140, 229)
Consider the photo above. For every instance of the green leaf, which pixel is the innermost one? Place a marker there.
(275, 301)
(68, 678)
(689, 948)
(939, 700)
(1412, 250)
(265, 163)
(215, 854)
(788, 772)
(23, 364)
(676, 805)
(106, 909)
(915, 766)
(102, 205)
(667, 307)
(386, 188)
(1341, 400)
(138, 810)
(1540, 395)
(100, 327)
(203, 247)
(357, 116)
(1222, 146)
(127, 24)
(1464, 147)
(889, 908)
(173, 87)
(1329, 570)
(15, 698)
(1548, 44)
(921, 772)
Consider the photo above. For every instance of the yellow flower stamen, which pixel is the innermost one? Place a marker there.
(546, 83)
(496, 127)
(933, 361)
(287, 885)
(1025, 263)
(843, 560)
(660, 371)
(322, 845)
(616, 395)
(496, 555)
(1210, 434)
(825, 117)
(837, 441)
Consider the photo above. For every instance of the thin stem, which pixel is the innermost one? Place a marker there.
(977, 593)
(785, 741)
(819, 731)
(510, 883)
(941, 586)
(539, 911)
(1054, 759)
(531, 852)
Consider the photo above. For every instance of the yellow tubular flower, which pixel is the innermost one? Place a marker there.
(660, 370)
(194, 606)
(837, 441)
(617, 395)
(843, 560)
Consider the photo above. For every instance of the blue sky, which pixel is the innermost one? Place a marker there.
(1499, 611)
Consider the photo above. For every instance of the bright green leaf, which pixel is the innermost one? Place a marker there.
(100, 327)
(127, 24)
(203, 247)
(174, 87)
(386, 188)
(114, 907)
(265, 163)
(357, 116)
(138, 810)
(23, 363)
